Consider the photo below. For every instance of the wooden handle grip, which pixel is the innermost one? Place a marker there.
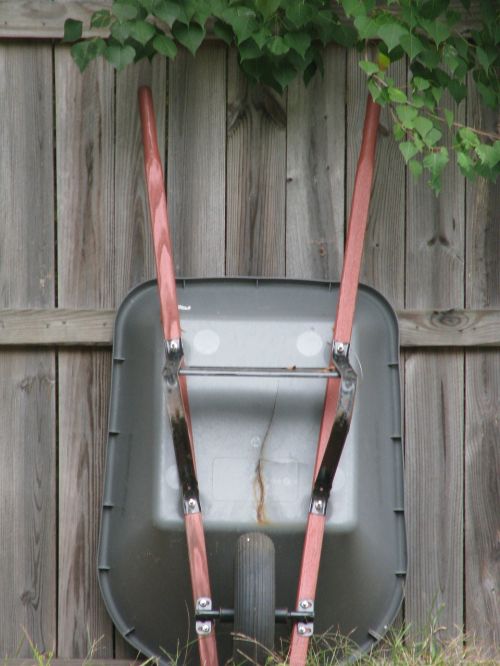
(165, 267)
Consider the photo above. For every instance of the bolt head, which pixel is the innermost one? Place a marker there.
(203, 603)
(318, 505)
(191, 503)
(302, 630)
(305, 604)
(205, 627)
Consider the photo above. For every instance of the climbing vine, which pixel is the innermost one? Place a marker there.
(448, 49)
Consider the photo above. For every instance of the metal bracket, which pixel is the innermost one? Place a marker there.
(305, 626)
(338, 435)
(179, 427)
(203, 626)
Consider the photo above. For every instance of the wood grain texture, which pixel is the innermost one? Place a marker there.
(196, 160)
(482, 452)
(74, 327)
(384, 254)
(315, 199)
(434, 385)
(134, 248)
(27, 389)
(86, 246)
(256, 173)
(134, 259)
(44, 18)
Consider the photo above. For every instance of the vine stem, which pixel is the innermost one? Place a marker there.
(489, 135)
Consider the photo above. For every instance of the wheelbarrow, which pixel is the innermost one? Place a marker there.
(247, 374)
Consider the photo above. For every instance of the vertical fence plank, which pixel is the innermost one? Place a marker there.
(134, 248)
(482, 451)
(86, 246)
(256, 171)
(384, 252)
(196, 160)
(316, 173)
(27, 390)
(434, 410)
(133, 245)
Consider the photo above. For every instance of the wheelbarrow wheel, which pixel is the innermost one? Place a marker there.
(254, 599)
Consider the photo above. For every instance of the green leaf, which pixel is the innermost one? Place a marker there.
(298, 41)
(416, 168)
(489, 155)
(433, 8)
(468, 137)
(391, 34)
(120, 31)
(224, 32)
(369, 67)
(419, 83)
(398, 131)
(457, 90)
(488, 95)
(407, 115)
(354, 7)
(433, 136)
(243, 22)
(84, 52)
(408, 150)
(119, 56)
(466, 164)
(190, 36)
(124, 12)
(164, 45)
(435, 162)
(438, 30)
(411, 45)
(284, 74)
(249, 50)
(72, 30)
(485, 59)
(449, 117)
(422, 125)
(261, 37)
(100, 19)
(267, 7)
(367, 26)
(345, 35)
(142, 31)
(396, 95)
(277, 46)
(169, 12)
(299, 13)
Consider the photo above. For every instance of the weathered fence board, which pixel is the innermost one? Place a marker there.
(44, 18)
(282, 185)
(256, 163)
(434, 411)
(75, 327)
(196, 160)
(315, 197)
(482, 410)
(27, 391)
(86, 264)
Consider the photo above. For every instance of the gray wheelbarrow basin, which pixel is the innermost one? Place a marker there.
(255, 440)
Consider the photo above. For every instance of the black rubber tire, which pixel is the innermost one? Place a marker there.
(254, 598)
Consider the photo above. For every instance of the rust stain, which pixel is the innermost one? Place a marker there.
(258, 482)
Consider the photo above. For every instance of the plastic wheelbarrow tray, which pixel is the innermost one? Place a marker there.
(254, 439)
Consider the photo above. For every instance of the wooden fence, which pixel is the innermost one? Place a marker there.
(259, 185)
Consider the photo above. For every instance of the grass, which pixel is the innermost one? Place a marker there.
(395, 649)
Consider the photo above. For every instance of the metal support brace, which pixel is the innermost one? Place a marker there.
(179, 427)
(324, 479)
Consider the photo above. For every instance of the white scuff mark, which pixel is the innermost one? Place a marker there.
(184, 307)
